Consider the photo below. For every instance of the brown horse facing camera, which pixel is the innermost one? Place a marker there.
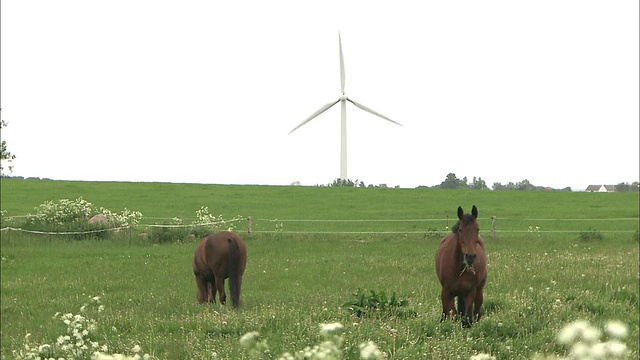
(461, 265)
(217, 257)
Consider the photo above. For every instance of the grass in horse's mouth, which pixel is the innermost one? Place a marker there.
(468, 267)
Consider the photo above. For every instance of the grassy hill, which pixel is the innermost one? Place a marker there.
(389, 210)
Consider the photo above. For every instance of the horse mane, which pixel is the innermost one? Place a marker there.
(466, 219)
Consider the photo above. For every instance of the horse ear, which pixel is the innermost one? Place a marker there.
(474, 212)
(460, 212)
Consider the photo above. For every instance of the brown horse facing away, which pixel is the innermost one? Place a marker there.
(461, 265)
(217, 257)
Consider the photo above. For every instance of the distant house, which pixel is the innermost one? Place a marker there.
(601, 188)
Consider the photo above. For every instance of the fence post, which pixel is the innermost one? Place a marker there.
(249, 226)
(493, 227)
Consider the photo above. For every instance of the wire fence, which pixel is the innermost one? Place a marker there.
(353, 226)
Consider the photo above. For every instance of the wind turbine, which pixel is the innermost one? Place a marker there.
(343, 125)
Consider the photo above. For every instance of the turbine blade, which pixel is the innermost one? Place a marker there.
(342, 77)
(371, 111)
(320, 111)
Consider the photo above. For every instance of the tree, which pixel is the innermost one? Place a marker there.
(498, 186)
(5, 155)
(525, 185)
(626, 187)
(452, 182)
(343, 183)
(479, 184)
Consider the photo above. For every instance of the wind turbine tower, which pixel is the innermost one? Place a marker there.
(343, 124)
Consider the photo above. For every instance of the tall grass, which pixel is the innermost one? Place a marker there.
(292, 284)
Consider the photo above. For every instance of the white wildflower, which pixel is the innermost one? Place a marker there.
(136, 349)
(370, 351)
(591, 334)
(286, 356)
(482, 356)
(598, 351)
(616, 329)
(247, 340)
(327, 328)
(616, 348)
(580, 350)
(578, 330)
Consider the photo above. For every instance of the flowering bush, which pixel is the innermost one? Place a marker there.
(76, 213)
(125, 218)
(204, 218)
(204, 223)
(4, 218)
(62, 212)
(535, 230)
(77, 342)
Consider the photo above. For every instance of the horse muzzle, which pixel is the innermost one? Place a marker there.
(469, 259)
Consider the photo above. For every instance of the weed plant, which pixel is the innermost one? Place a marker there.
(590, 235)
(376, 304)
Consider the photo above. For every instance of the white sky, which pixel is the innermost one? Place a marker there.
(206, 91)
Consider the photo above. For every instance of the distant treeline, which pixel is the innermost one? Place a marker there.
(23, 178)
(453, 182)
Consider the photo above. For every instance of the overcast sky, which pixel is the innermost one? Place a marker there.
(207, 91)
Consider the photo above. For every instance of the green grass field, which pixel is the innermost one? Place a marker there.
(299, 273)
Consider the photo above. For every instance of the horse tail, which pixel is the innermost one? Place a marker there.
(234, 272)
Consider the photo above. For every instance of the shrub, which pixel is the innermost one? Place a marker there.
(163, 235)
(590, 235)
(376, 303)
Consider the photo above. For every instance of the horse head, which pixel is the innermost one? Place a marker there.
(467, 232)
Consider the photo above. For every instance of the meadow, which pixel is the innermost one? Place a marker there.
(311, 249)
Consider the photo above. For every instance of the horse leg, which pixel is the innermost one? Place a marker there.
(478, 303)
(467, 315)
(448, 304)
(210, 295)
(461, 306)
(203, 291)
(220, 288)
